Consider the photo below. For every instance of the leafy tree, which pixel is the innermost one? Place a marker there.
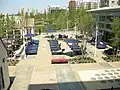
(85, 20)
(26, 19)
(19, 14)
(2, 25)
(85, 23)
(13, 25)
(116, 32)
(22, 12)
(8, 25)
(32, 13)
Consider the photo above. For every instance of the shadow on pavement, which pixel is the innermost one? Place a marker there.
(102, 85)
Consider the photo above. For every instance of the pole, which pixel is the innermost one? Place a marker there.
(67, 18)
(75, 29)
(96, 40)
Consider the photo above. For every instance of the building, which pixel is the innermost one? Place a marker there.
(24, 26)
(72, 5)
(109, 3)
(4, 76)
(20, 25)
(89, 4)
(53, 8)
(104, 18)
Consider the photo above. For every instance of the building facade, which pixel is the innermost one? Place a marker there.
(4, 75)
(109, 3)
(53, 8)
(72, 5)
(20, 25)
(104, 18)
(89, 5)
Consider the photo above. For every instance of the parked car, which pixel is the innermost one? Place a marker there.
(109, 52)
(101, 45)
(59, 60)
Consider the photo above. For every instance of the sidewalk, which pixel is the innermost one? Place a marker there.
(99, 55)
(37, 71)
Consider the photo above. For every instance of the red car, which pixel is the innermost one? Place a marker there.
(59, 60)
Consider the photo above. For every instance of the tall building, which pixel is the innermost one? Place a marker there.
(109, 3)
(4, 75)
(72, 5)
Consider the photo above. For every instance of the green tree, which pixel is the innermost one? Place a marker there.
(26, 20)
(13, 25)
(8, 25)
(116, 32)
(32, 13)
(85, 23)
(2, 25)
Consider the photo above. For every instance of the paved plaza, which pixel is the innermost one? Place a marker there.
(37, 72)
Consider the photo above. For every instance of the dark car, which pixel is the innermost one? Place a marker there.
(109, 52)
(101, 46)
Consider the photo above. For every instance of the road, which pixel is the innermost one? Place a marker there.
(66, 78)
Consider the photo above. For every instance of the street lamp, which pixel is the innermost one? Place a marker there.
(75, 28)
(95, 54)
(66, 8)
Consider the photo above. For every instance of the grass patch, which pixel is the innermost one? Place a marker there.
(111, 58)
(81, 60)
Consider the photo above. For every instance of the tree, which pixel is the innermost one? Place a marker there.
(2, 25)
(22, 12)
(26, 19)
(32, 13)
(19, 14)
(13, 25)
(116, 32)
(85, 23)
(8, 25)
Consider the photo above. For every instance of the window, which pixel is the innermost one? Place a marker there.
(102, 18)
(108, 26)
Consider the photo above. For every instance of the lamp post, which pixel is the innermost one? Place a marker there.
(67, 24)
(95, 53)
(75, 28)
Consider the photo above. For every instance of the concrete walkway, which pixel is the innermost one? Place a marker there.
(30, 71)
(66, 78)
(23, 76)
(99, 55)
(44, 75)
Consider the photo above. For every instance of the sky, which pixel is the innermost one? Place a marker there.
(13, 6)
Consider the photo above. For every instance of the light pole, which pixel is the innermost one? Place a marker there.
(95, 54)
(67, 24)
(75, 28)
